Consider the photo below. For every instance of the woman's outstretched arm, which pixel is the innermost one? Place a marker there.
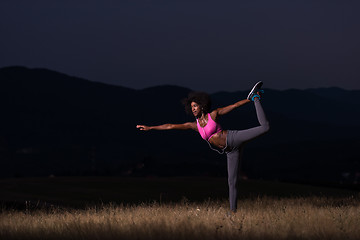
(227, 109)
(169, 126)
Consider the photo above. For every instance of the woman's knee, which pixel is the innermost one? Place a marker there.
(265, 127)
(232, 181)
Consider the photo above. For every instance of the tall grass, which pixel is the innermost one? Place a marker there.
(261, 218)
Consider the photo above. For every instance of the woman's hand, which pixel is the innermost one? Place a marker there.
(143, 127)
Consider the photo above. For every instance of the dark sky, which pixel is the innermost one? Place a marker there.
(204, 45)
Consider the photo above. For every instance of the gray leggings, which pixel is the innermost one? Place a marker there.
(235, 142)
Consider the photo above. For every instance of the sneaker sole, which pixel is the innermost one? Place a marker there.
(256, 86)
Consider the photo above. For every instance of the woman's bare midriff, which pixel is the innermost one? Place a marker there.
(219, 139)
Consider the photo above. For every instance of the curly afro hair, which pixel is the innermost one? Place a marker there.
(201, 98)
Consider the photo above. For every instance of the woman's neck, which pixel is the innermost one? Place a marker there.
(203, 117)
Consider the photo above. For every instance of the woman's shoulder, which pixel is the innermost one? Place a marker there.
(214, 115)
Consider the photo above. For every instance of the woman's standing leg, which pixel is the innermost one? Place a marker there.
(233, 161)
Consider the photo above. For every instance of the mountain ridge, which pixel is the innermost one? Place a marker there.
(84, 127)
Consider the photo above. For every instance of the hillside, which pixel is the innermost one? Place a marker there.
(57, 124)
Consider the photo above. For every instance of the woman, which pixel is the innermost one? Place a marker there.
(228, 141)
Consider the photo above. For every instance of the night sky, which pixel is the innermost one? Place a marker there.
(204, 45)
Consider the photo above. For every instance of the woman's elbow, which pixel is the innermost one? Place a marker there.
(169, 126)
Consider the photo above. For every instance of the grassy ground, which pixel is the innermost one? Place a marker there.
(261, 218)
(173, 208)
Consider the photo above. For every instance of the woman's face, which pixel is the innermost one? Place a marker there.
(196, 109)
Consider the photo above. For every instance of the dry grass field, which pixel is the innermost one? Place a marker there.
(266, 216)
(262, 218)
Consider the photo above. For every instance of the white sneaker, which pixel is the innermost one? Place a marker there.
(254, 90)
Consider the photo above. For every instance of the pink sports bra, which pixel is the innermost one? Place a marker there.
(210, 128)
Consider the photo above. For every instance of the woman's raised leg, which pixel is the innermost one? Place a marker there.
(242, 136)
